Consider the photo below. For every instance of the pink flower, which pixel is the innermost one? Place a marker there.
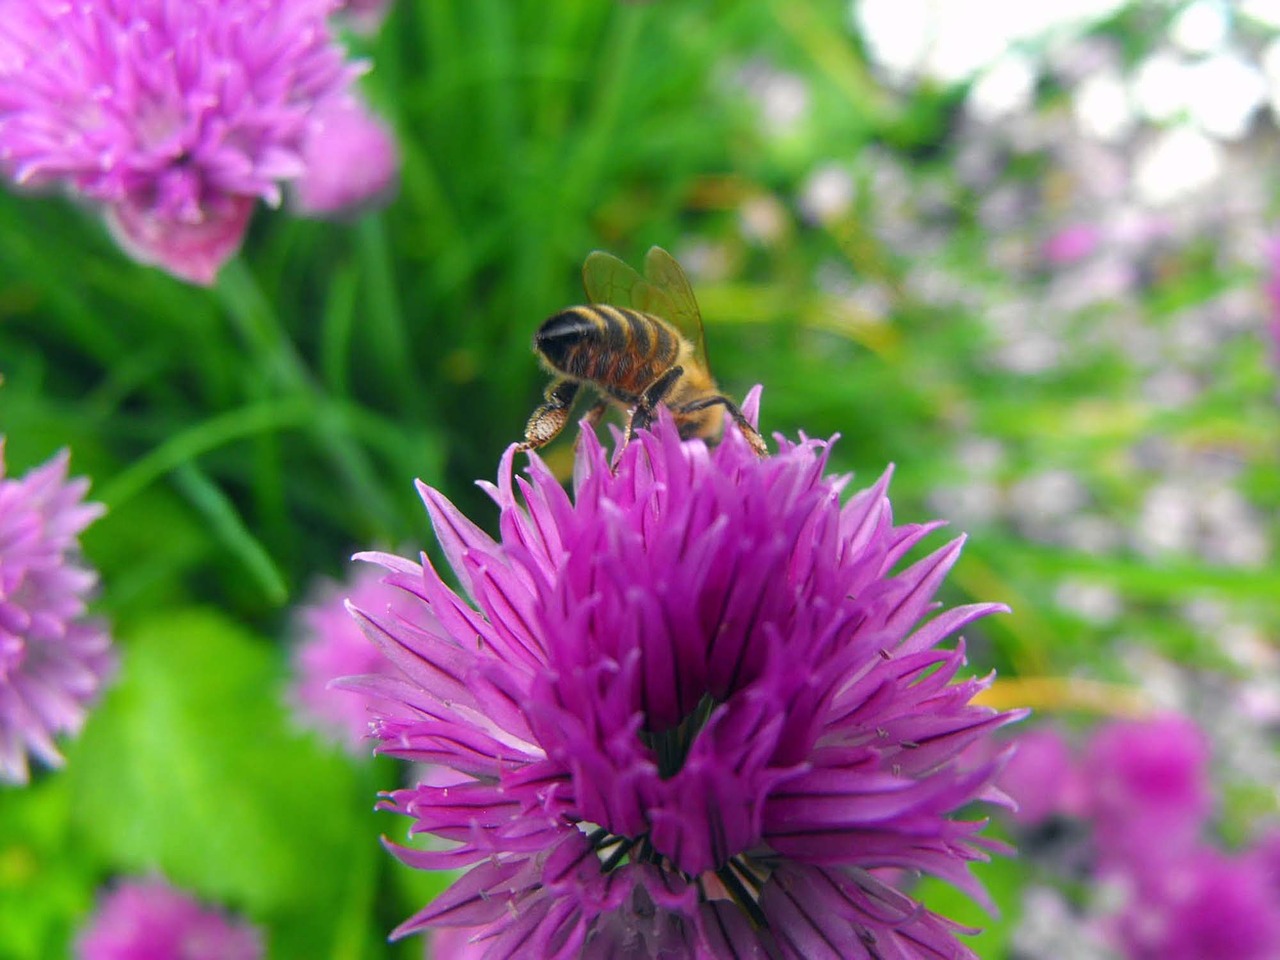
(696, 708)
(364, 16)
(173, 118)
(1273, 296)
(150, 920)
(330, 646)
(1071, 244)
(1204, 905)
(1041, 776)
(352, 161)
(54, 658)
(1149, 790)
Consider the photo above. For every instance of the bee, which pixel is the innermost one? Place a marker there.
(638, 343)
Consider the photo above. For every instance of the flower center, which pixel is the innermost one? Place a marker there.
(671, 747)
(741, 878)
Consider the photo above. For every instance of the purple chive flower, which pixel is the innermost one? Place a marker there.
(1205, 905)
(1071, 244)
(454, 943)
(150, 920)
(694, 707)
(1273, 296)
(363, 16)
(352, 161)
(53, 658)
(1041, 777)
(1149, 790)
(173, 118)
(331, 645)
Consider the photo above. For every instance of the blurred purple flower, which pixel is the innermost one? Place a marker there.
(1071, 244)
(352, 161)
(331, 645)
(1267, 855)
(174, 118)
(363, 16)
(1149, 790)
(1041, 776)
(150, 920)
(1203, 906)
(1273, 296)
(53, 658)
(694, 707)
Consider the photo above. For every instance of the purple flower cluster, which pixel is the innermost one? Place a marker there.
(330, 645)
(173, 118)
(693, 709)
(53, 658)
(151, 920)
(1144, 788)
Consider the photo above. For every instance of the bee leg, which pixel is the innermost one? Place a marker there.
(642, 413)
(750, 433)
(546, 422)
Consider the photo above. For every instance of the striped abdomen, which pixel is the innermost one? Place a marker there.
(616, 348)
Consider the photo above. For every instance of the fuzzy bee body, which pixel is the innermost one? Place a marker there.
(634, 356)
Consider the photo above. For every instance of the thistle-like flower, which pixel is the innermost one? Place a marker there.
(695, 710)
(150, 920)
(53, 658)
(329, 646)
(173, 118)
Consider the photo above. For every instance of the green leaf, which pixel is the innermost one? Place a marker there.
(45, 878)
(1004, 878)
(189, 768)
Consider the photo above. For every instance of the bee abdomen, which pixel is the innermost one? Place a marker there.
(609, 345)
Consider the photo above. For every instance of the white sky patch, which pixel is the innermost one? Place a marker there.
(1264, 11)
(1007, 87)
(1102, 106)
(1201, 27)
(1161, 87)
(1271, 68)
(951, 41)
(1178, 163)
(1224, 93)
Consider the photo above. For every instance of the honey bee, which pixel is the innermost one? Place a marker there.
(638, 343)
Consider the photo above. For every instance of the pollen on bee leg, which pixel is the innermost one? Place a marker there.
(543, 427)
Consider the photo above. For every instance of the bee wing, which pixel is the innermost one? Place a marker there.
(663, 291)
(666, 279)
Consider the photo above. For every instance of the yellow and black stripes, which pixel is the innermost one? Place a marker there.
(619, 349)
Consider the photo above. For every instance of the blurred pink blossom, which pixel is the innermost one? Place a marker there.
(352, 161)
(1071, 244)
(331, 645)
(1149, 790)
(1042, 776)
(1205, 905)
(151, 920)
(173, 119)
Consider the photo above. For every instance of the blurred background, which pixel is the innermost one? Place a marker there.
(1026, 252)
